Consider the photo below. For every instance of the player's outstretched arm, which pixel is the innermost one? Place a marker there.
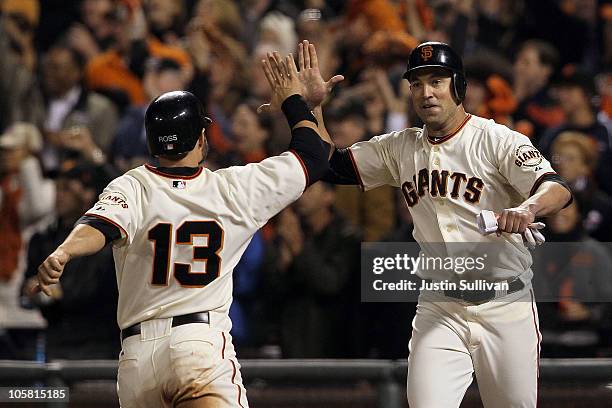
(549, 198)
(307, 141)
(83, 240)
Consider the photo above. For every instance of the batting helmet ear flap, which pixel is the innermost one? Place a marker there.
(459, 86)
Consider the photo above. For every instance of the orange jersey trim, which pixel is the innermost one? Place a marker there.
(172, 176)
(538, 182)
(449, 136)
(303, 167)
(537, 330)
(109, 221)
(356, 169)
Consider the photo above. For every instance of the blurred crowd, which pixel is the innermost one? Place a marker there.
(75, 80)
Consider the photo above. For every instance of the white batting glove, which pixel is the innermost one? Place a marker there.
(532, 236)
(487, 222)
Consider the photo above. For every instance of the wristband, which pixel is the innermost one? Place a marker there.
(296, 110)
(487, 223)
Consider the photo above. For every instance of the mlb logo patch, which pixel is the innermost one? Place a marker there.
(180, 184)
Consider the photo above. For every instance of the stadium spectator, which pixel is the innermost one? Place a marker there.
(362, 19)
(26, 199)
(404, 224)
(605, 13)
(575, 92)
(74, 115)
(605, 90)
(221, 64)
(245, 310)
(575, 157)
(259, 91)
(372, 212)
(20, 97)
(574, 41)
(95, 32)
(118, 72)
(166, 20)
(573, 280)
(250, 133)
(390, 317)
(312, 278)
(25, 196)
(489, 93)
(497, 24)
(81, 314)
(313, 25)
(534, 66)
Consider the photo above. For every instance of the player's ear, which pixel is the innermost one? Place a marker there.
(203, 145)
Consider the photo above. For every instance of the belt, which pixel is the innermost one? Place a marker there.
(482, 296)
(200, 317)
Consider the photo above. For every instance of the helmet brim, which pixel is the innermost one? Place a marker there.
(411, 70)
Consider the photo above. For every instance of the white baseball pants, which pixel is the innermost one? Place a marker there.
(166, 365)
(498, 342)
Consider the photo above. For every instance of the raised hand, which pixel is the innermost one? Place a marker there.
(315, 88)
(283, 78)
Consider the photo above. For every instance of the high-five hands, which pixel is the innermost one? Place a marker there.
(282, 75)
(315, 88)
(312, 86)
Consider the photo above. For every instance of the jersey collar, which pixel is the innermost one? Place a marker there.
(185, 173)
(438, 140)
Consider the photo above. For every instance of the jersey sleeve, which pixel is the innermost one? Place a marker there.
(265, 188)
(117, 205)
(520, 162)
(376, 162)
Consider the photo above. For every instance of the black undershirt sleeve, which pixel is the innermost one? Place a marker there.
(556, 179)
(341, 169)
(305, 143)
(312, 151)
(111, 232)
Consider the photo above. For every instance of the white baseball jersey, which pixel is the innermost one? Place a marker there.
(181, 237)
(447, 181)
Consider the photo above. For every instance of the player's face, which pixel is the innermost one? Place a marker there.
(432, 97)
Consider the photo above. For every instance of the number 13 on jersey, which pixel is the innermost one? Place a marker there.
(161, 236)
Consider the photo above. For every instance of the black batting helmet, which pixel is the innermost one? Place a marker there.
(438, 54)
(174, 123)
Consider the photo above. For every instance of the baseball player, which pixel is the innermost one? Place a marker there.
(457, 165)
(177, 232)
